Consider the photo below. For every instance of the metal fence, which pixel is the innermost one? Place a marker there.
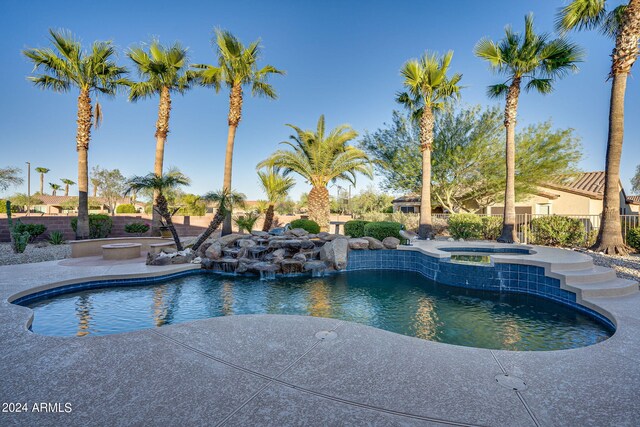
(591, 224)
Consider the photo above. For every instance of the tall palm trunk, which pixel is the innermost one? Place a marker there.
(163, 210)
(235, 115)
(268, 218)
(95, 190)
(218, 218)
(83, 136)
(508, 234)
(162, 129)
(425, 229)
(66, 190)
(319, 206)
(42, 183)
(624, 55)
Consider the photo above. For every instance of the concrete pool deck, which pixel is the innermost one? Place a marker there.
(277, 370)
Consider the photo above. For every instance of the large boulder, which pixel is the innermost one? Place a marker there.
(290, 266)
(158, 259)
(259, 233)
(300, 257)
(374, 244)
(358, 243)
(293, 244)
(207, 263)
(340, 249)
(230, 239)
(214, 251)
(298, 232)
(391, 242)
(326, 252)
(246, 243)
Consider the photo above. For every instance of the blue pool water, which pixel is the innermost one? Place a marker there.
(402, 302)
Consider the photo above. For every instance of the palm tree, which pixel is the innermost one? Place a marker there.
(428, 91)
(54, 188)
(96, 184)
(623, 24)
(65, 66)
(320, 158)
(163, 70)
(67, 183)
(42, 171)
(225, 200)
(538, 61)
(158, 184)
(237, 67)
(276, 187)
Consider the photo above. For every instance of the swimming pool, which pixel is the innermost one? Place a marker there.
(404, 302)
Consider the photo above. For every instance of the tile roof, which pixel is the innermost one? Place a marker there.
(634, 200)
(585, 183)
(58, 200)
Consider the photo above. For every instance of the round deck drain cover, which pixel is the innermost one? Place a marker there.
(513, 383)
(326, 335)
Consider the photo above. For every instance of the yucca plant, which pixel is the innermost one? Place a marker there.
(623, 24)
(237, 68)
(522, 58)
(92, 72)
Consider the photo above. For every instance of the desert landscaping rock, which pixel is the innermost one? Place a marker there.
(259, 233)
(374, 244)
(391, 242)
(340, 250)
(298, 232)
(246, 243)
(230, 238)
(33, 254)
(214, 251)
(358, 244)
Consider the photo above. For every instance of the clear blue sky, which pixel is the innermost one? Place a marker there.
(341, 57)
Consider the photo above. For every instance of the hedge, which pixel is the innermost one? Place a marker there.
(633, 238)
(382, 229)
(99, 225)
(126, 209)
(306, 224)
(491, 227)
(465, 226)
(355, 228)
(556, 230)
(34, 230)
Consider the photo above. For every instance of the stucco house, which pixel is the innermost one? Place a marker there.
(581, 195)
(55, 205)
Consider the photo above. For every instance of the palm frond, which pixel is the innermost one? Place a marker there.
(580, 15)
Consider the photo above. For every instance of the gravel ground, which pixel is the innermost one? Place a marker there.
(36, 252)
(627, 267)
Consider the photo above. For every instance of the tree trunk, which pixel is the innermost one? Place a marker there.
(66, 190)
(213, 226)
(609, 238)
(624, 55)
(319, 207)
(162, 129)
(508, 234)
(95, 190)
(163, 210)
(268, 218)
(235, 115)
(42, 184)
(425, 229)
(83, 137)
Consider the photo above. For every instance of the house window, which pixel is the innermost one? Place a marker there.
(407, 209)
(543, 208)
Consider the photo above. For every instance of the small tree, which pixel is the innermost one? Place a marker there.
(9, 176)
(111, 185)
(225, 200)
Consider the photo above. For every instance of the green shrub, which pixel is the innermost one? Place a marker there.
(3, 207)
(126, 209)
(556, 230)
(34, 230)
(99, 225)
(56, 238)
(388, 210)
(633, 238)
(136, 228)
(247, 221)
(465, 226)
(491, 227)
(382, 229)
(355, 228)
(306, 224)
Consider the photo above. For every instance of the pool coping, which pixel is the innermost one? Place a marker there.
(588, 365)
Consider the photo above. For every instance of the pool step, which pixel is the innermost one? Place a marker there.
(595, 274)
(611, 288)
